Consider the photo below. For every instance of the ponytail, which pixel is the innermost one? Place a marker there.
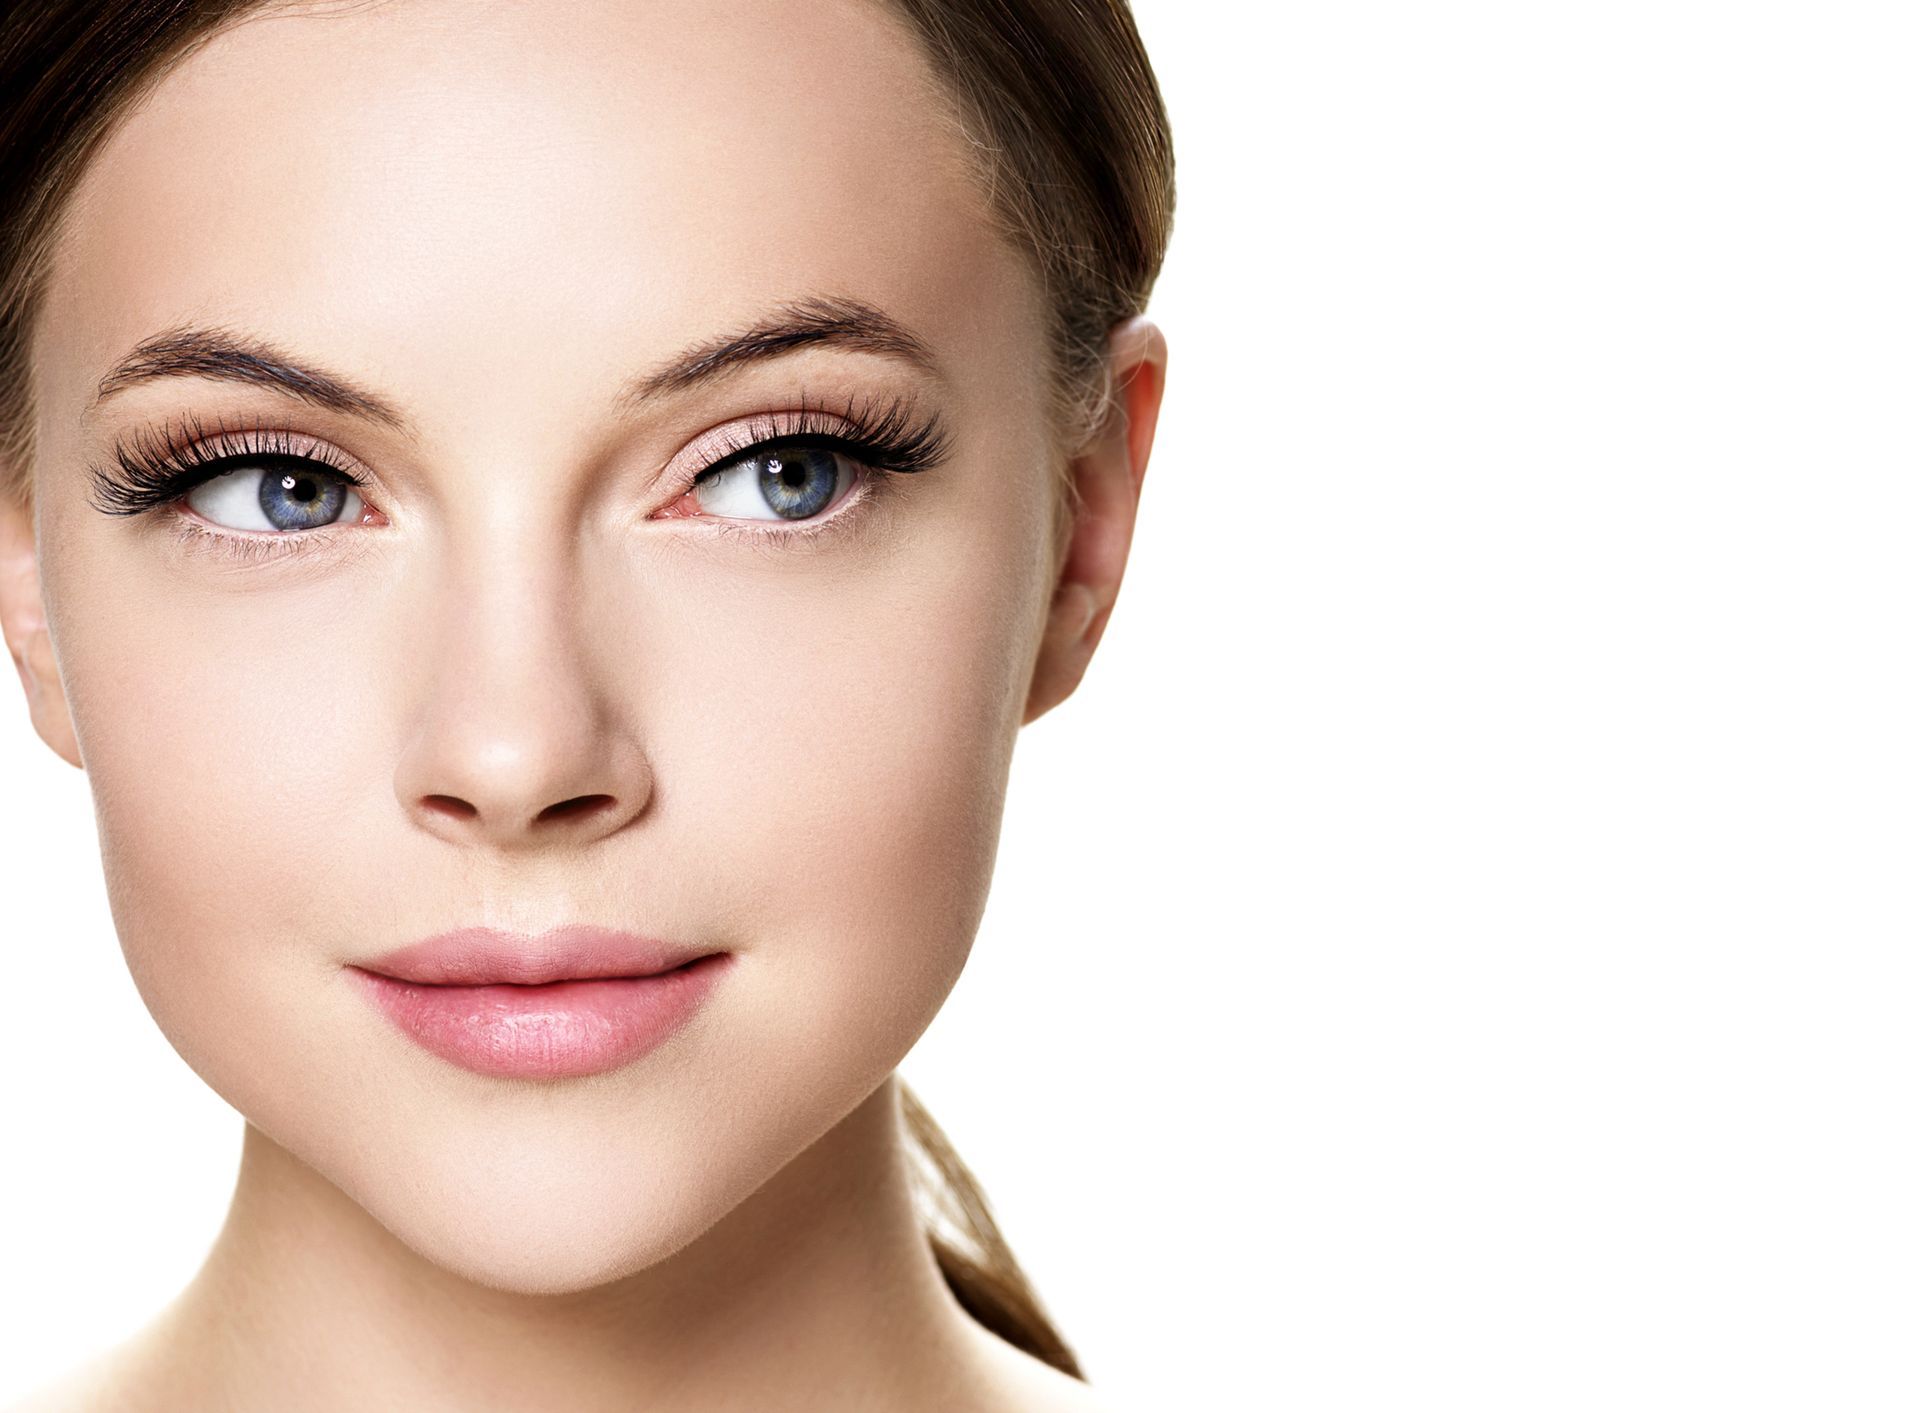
(978, 1264)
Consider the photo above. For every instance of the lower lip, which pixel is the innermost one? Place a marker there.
(559, 1030)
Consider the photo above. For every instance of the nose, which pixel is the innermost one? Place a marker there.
(515, 738)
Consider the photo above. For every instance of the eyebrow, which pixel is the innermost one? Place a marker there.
(187, 351)
(841, 323)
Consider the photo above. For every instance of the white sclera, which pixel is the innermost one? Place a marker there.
(735, 492)
(232, 500)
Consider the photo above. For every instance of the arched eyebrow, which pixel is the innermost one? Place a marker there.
(842, 323)
(227, 355)
(186, 351)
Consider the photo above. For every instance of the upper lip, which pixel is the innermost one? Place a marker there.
(481, 956)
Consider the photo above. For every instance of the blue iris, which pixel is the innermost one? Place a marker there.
(300, 499)
(798, 481)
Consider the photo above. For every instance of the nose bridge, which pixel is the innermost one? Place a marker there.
(514, 740)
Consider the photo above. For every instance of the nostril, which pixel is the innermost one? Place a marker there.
(449, 805)
(579, 805)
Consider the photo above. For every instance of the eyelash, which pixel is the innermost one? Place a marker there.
(153, 470)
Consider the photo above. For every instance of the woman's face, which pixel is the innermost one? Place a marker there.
(498, 221)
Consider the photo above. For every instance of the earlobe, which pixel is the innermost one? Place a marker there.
(23, 621)
(1108, 475)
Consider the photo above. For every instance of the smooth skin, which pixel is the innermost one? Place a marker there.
(496, 215)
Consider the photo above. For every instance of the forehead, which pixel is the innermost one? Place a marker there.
(508, 188)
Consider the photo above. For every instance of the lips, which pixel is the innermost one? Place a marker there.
(483, 956)
(571, 1002)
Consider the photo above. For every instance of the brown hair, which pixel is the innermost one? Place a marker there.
(1055, 97)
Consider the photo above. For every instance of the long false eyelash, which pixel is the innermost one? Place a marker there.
(153, 469)
(885, 438)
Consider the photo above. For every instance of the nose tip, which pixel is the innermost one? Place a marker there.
(508, 778)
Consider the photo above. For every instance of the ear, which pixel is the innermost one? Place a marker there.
(1107, 476)
(23, 620)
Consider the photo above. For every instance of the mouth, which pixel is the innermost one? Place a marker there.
(572, 1003)
(558, 1029)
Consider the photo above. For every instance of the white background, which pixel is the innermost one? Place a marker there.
(1456, 948)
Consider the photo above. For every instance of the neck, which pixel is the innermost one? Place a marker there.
(820, 1290)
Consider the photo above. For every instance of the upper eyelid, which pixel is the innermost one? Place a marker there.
(714, 446)
(701, 461)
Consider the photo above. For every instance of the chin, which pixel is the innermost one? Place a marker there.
(536, 1220)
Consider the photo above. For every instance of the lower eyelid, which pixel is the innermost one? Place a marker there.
(197, 536)
(853, 507)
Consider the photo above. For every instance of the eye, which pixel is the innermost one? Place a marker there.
(787, 481)
(269, 491)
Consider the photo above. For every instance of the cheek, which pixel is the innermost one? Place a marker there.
(846, 766)
(225, 746)
(860, 813)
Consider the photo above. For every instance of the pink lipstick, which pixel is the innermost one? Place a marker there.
(570, 1002)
